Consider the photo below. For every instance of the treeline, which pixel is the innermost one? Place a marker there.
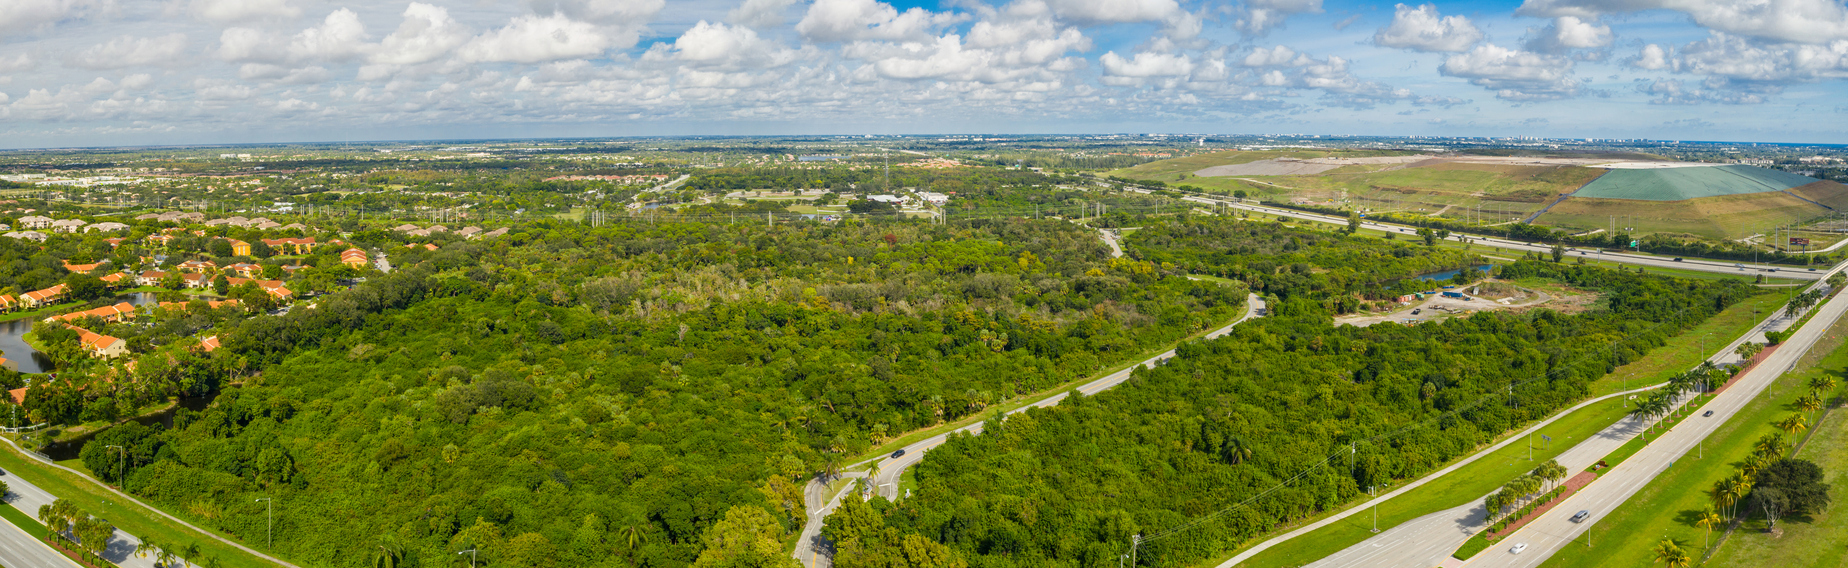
(552, 396)
(863, 179)
(1237, 436)
(1335, 269)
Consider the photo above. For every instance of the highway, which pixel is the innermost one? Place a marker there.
(20, 550)
(1430, 539)
(888, 470)
(1554, 531)
(1715, 266)
(26, 497)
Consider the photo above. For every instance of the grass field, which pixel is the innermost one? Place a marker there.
(1488, 473)
(1827, 193)
(129, 517)
(1722, 217)
(1817, 542)
(1667, 506)
(1167, 170)
(1467, 484)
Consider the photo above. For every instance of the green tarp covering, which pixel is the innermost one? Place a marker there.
(1675, 184)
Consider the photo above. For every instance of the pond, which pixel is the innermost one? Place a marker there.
(1446, 275)
(72, 448)
(24, 358)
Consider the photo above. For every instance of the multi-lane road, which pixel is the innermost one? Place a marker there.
(1721, 267)
(1430, 539)
(1554, 530)
(885, 478)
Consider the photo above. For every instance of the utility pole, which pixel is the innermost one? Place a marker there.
(471, 557)
(122, 471)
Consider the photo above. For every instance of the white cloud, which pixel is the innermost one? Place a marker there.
(1514, 74)
(21, 63)
(534, 39)
(760, 13)
(137, 81)
(626, 13)
(1423, 29)
(1280, 55)
(1258, 17)
(129, 51)
(1737, 59)
(1567, 33)
(340, 36)
(1147, 65)
(1653, 58)
(29, 14)
(243, 10)
(426, 34)
(1799, 21)
(848, 20)
(713, 44)
(1674, 92)
(248, 44)
(1101, 11)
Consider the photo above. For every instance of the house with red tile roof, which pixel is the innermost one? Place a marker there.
(119, 312)
(150, 278)
(291, 245)
(208, 344)
(114, 280)
(198, 266)
(355, 258)
(245, 269)
(8, 303)
(40, 298)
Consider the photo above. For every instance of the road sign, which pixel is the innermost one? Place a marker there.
(1799, 241)
(1632, 244)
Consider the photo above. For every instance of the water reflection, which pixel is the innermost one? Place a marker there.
(24, 358)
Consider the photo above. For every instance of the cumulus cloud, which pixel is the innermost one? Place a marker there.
(1258, 17)
(129, 51)
(426, 33)
(1514, 74)
(28, 14)
(1800, 21)
(1116, 11)
(340, 36)
(224, 11)
(534, 39)
(1674, 92)
(1567, 33)
(849, 20)
(1280, 55)
(1146, 65)
(1652, 58)
(626, 13)
(1738, 59)
(1423, 29)
(714, 44)
(760, 13)
(20, 63)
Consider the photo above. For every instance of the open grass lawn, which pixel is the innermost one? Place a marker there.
(1721, 217)
(1668, 505)
(129, 517)
(1817, 541)
(1683, 352)
(1165, 170)
(1465, 485)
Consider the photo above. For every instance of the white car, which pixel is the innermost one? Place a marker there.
(1518, 548)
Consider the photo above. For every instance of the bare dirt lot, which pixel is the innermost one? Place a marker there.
(1301, 166)
(1483, 296)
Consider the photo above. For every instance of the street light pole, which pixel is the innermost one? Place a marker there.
(471, 557)
(269, 507)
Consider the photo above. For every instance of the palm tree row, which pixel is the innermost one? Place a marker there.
(67, 522)
(1666, 400)
(1518, 492)
(165, 555)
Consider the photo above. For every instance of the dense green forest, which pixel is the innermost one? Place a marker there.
(536, 395)
(1277, 403)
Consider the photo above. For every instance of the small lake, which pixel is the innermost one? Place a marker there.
(71, 449)
(1446, 275)
(24, 358)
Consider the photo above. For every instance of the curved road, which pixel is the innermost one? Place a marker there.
(889, 469)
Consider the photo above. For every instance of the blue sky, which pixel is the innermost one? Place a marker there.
(116, 72)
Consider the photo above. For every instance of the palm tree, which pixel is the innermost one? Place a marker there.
(1709, 519)
(1821, 384)
(1770, 445)
(1238, 450)
(1795, 423)
(1736, 488)
(1810, 403)
(1666, 551)
(390, 553)
(632, 537)
(1678, 559)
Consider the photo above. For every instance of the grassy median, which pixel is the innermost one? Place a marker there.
(1667, 506)
(1818, 541)
(129, 517)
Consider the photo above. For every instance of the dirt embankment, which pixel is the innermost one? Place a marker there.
(1482, 296)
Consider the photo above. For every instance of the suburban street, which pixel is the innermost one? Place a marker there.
(889, 470)
(1554, 531)
(1430, 539)
(1716, 266)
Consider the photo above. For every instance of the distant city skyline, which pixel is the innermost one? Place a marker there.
(104, 73)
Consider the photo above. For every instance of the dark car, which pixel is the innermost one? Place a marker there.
(898, 453)
(1677, 259)
(1706, 414)
(1417, 311)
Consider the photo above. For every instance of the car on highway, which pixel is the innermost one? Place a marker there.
(1417, 311)
(899, 453)
(1518, 548)
(1580, 517)
(1706, 414)
(1677, 259)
